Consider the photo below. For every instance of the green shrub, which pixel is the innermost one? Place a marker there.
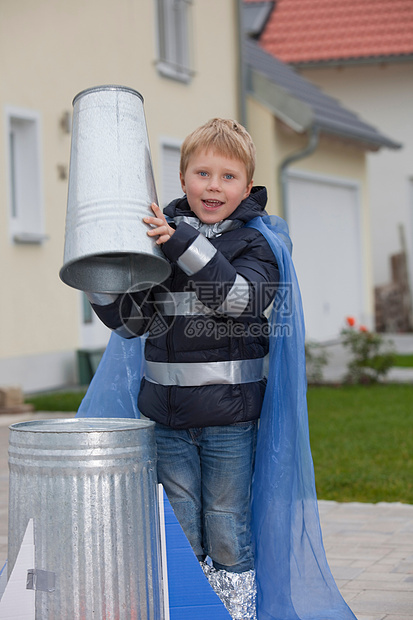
(372, 356)
(315, 358)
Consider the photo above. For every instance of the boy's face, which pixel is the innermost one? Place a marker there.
(214, 185)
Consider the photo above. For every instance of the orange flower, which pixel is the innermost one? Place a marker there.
(351, 321)
(363, 328)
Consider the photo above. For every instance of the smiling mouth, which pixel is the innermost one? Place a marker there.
(212, 204)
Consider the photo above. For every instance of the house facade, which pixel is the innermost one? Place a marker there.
(362, 54)
(311, 155)
(52, 51)
(314, 153)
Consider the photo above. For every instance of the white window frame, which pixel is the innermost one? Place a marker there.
(174, 39)
(25, 186)
(164, 143)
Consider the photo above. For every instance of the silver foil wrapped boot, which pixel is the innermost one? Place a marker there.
(238, 591)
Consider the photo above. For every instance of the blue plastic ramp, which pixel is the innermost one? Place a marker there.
(190, 595)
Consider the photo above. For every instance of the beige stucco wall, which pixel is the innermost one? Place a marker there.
(53, 50)
(262, 127)
(332, 158)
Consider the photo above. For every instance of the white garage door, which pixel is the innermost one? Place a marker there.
(324, 223)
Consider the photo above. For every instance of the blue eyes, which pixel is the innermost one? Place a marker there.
(204, 174)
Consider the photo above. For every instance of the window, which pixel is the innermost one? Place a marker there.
(170, 158)
(173, 39)
(25, 188)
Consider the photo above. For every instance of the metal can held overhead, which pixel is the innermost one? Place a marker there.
(111, 188)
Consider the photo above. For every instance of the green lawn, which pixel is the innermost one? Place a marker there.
(57, 401)
(361, 439)
(362, 442)
(405, 361)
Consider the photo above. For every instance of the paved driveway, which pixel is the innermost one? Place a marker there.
(369, 546)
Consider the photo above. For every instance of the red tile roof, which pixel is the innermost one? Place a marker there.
(300, 31)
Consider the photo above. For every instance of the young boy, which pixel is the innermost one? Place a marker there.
(204, 379)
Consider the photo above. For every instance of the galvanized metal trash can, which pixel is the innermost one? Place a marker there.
(90, 485)
(111, 188)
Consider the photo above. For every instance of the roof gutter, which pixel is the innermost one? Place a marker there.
(296, 114)
(347, 62)
(313, 141)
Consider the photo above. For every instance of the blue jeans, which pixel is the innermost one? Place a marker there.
(207, 475)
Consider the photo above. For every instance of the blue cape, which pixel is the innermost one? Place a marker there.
(293, 577)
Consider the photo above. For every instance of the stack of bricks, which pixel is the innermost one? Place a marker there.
(393, 301)
(12, 400)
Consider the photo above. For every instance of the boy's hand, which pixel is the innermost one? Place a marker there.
(161, 227)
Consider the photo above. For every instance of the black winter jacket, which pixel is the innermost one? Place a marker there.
(206, 326)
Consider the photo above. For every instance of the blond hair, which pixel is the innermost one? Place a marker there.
(224, 136)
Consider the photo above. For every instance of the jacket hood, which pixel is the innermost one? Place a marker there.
(249, 208)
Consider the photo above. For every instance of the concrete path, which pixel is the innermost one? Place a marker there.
(369, 546)
(370, 551)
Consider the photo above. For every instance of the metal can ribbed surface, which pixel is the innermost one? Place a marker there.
(111, 188)
(90, 487)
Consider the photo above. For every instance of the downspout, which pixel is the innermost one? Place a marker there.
(313, 141)
(242, 79)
